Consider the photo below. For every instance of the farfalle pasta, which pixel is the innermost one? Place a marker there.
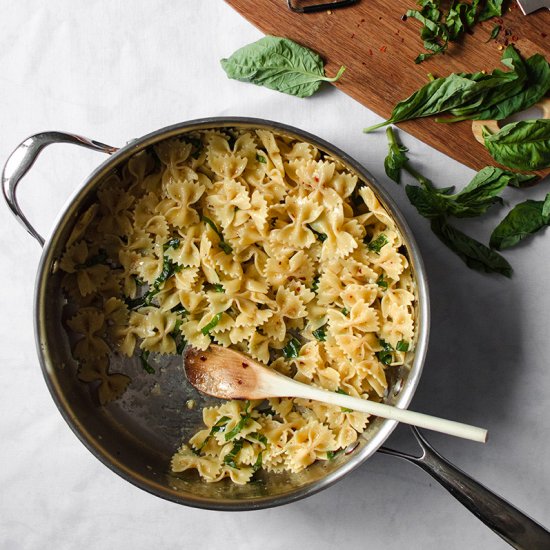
(256, 241)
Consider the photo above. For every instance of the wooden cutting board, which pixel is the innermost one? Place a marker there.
(378, 48)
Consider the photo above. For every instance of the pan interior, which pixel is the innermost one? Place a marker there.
(137, 434)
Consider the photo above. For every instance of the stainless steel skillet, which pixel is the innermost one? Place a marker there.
(136, 435)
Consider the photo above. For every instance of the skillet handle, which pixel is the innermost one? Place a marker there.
(24, 156)
(516, 528)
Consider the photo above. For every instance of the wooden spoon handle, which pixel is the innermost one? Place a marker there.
(282, 386)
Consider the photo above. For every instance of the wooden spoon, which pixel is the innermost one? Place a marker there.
(228, 374)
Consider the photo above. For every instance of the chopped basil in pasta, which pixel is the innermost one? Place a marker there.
(252, 240)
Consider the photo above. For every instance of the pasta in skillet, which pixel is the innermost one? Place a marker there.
(259, 242)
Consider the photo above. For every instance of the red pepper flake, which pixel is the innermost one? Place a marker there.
(363, 63)
(404, 17)
(352, 34)
(402, 40)
(316, 179)
(383, 48)
(543, 34)
(514, 38)
(370, 51)
(362, 20)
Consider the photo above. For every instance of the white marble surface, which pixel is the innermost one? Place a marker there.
(116, 70)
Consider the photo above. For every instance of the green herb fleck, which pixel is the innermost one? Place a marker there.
(494, 33)
(344, 409)
(144, 360)
(258, 464)
(172, 243)
(279, 64)
(230, 457)
(402, 345)
(385, 355)
(215, 320)
(261, 158)
(321, 237)
(292, 349)
(331, 455)
(320, 334)
(345, 312)
(381, 282)
(377, 244)
(226, 247)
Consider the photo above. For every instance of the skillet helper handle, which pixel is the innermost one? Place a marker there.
(24, 156)
(516, 528)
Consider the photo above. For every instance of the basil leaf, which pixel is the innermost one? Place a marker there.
(472, 252)
(531, 85)
(473, 200)
(279, 64)
(429, 204)
(315, 284)
(438, 96)
(523, 220)
(396, 158)
(492, 8)
(215, 320)
(292, 349)
(523, 145)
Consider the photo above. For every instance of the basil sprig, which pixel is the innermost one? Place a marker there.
(212, 324)
(523, 145)
(478, 96)
(438, 205)
(279, 64)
